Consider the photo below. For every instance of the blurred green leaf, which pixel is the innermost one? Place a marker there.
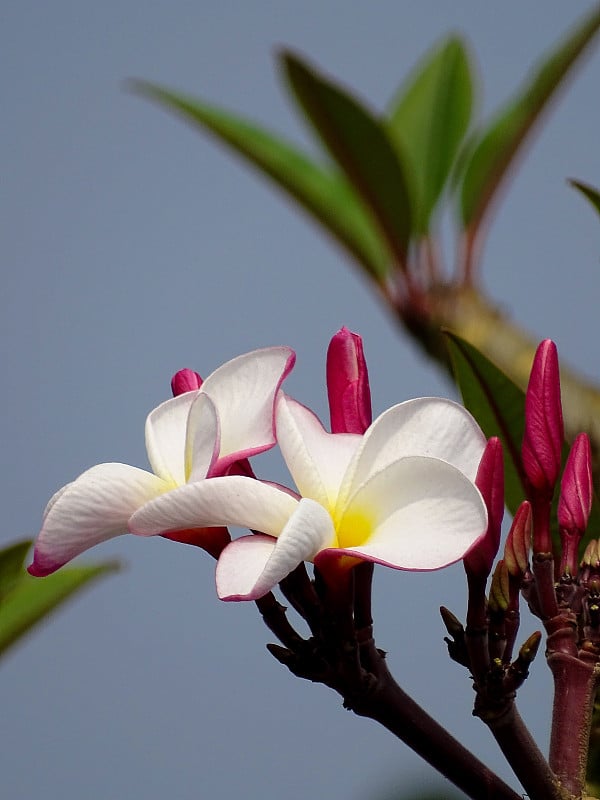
(428, 119)
(11, 565)
(497, 404)
(360, 145)
(592, 194)
(32, 599)
(498, 144)
(324, 194)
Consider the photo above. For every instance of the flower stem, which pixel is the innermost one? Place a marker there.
(543, 569)
(389, 705)
(273, 614)
(523, 754)
(342, 655)
(575, 684)
(476, 634)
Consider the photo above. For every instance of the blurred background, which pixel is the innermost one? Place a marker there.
(131, 247)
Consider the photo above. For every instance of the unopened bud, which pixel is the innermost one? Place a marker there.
(500, 589)
(575, 503)
(452, 624)
(490, 482)
(590, 555)
(543, 438)
(519, 669)
(457, 648)
(186, 380)
(576, 488)
(529, 649)
(518, 542)
(348, 384)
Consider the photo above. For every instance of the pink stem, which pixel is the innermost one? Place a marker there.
(575, 683)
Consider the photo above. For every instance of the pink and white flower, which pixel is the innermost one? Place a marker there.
(196, 435)
(402, 495)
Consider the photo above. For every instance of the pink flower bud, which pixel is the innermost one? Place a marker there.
(542, 442)
(518, 541)
(186, 380)
(575, 501)
(348, 384)
(490, 482)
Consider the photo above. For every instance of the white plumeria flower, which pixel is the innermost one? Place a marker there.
(191, 437)
(402, 495)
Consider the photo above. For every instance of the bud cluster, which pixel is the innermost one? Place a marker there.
(541, 563)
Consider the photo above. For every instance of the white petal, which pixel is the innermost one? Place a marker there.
(243, 391)
(317, 460)
(241, 564)
(424, 514)
(90, 510)
(250, 567)
(53, 500)
(427, 426)
(202, 439)
(165, 437)
(233, 500)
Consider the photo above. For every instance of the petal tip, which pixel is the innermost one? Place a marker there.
(236, 598)
(41, 567)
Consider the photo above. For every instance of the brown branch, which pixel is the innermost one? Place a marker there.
(524, 756)
(389, 705)
(342, 655)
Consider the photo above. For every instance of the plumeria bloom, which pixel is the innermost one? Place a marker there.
(402, 495)
(196, 435)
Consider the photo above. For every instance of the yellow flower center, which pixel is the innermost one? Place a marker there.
(353, 529)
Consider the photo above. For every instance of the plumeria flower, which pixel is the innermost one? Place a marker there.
(195, 435)
(402, 495)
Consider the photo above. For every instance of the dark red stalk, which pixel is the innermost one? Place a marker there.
(575, 684)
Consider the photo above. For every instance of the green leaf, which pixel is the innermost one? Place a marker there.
(592, 194)
(11, 565)
(497, 145)
(324, 194)
(32, 599)
(428, 120)
(497, 404)
(362, 148)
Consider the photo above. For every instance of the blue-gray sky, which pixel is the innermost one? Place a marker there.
(131, 247)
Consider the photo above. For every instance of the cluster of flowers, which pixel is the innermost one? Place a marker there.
(400, 491)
